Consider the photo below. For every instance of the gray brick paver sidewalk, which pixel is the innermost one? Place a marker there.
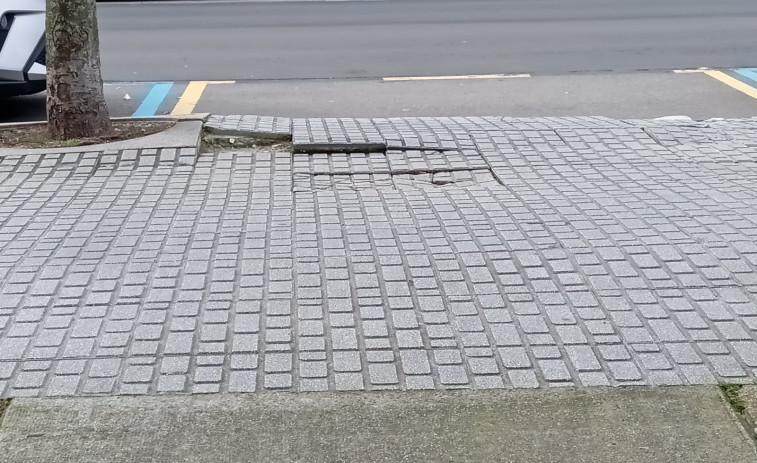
(536, 252)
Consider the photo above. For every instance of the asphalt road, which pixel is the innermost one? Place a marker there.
(216, 40)
(328, 58)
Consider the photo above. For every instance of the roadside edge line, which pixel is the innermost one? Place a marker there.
(690, 71)
(462, 77)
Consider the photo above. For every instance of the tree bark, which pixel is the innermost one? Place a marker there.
(75, 101)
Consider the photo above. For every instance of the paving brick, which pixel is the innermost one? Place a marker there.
(726, 366)
(588, 269)
(382, 373)
(349, 381)
(419, 383)
(554, 370)
(172, 383)
(278, 381)
(63, 386)
(683, 354)
(415, 362)
(453, 375)
(523, 379)
(625, 371)
(347, 362)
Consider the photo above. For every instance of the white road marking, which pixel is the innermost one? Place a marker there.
(473, 76)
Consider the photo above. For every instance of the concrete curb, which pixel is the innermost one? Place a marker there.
(189, 117)
(186, 133)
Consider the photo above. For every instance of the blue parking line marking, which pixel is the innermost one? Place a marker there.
(749, 73)
(152, 101)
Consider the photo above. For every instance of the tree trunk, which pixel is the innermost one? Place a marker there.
(75, 101)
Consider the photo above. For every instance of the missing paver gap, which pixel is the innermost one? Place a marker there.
(403, 172)
(561, 137)
(731, 394)
(396, 169)
(4, 404)
(418, 179)
(651, 135)
(420, 148)
(215, 140)
(345, 148)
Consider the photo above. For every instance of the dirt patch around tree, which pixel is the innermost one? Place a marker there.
(36, 136)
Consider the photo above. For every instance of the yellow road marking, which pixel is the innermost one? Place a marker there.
(189, 98)
(734, 83)
(192, 95)
(480, 76)
(724, 78)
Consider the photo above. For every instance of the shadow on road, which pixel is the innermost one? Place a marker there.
(23, 108)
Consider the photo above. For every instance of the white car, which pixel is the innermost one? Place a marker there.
(22, 47)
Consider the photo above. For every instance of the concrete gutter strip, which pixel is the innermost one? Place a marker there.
(690, 424)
